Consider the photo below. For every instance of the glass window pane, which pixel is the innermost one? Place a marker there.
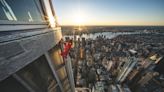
(2, 13)
(56, 57)
(20, 10)
(57, 89)
(65, 82)
(38, 75)
(11, 85)
(69, 90)
(66, 85)
(62, 73)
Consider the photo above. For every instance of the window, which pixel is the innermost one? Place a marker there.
(65, 82)
(38, 75)
(57, 89)
(21, 10)
(11, 85)
(66, 85)
(66, 88)
(70, 90)
(56, 57)
(62, 73)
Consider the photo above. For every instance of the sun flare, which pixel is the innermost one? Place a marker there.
(80, 18)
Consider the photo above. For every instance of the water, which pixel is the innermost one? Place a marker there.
(108, 35)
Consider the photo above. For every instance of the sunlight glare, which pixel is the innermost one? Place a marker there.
(80, 18)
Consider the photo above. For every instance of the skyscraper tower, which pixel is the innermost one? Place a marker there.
(30, 47)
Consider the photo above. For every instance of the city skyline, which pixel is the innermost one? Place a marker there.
(110, 12)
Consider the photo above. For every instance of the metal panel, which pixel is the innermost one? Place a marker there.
(70, 72)
(20, 27)
(53, 70)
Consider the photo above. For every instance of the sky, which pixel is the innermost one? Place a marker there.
(109, 12)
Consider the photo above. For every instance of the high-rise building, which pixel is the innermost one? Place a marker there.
(83, 42)
(126, 69)
(30, 48)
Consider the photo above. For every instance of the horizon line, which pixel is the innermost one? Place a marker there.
(112, 25)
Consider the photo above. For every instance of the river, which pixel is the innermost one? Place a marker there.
(108, 35)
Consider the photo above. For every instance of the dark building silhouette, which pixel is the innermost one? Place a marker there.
(160, 66)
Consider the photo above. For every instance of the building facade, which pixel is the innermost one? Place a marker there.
(30, 48)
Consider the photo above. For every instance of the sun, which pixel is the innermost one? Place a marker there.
(80, 18)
